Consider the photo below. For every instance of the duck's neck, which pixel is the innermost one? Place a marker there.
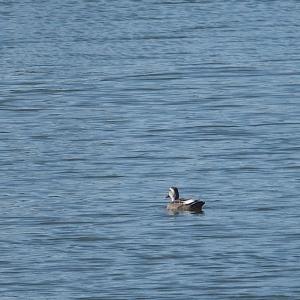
(173, 199)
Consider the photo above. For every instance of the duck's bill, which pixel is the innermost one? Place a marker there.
(168, 196)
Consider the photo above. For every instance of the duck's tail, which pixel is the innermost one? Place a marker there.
(197, 204)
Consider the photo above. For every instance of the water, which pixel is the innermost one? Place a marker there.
(105, 104)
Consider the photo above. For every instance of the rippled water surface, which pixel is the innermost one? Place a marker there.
(105, 104)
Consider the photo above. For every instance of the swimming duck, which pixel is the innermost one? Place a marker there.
(180, 204)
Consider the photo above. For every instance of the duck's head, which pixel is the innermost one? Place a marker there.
(173, 193)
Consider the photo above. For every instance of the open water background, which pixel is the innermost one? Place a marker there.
(105, 104)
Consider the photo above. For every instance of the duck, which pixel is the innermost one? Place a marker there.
(180, 204)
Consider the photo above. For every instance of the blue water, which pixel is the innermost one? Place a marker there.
(105, 104)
